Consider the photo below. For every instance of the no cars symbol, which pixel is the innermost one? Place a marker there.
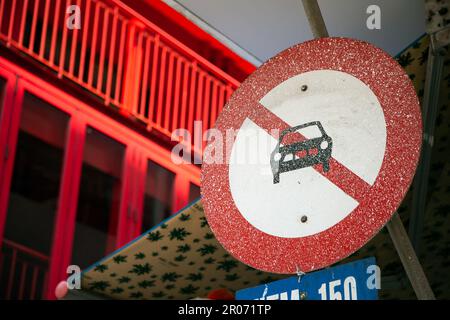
(343, 125)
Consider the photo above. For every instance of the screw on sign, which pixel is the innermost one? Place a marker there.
(343, 125)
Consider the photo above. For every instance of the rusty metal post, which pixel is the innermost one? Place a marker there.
(315, 18)
(397, 231)
(409, 258)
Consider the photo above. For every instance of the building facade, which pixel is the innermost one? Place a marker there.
(86, 117)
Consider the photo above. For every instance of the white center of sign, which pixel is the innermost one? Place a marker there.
(304, 202)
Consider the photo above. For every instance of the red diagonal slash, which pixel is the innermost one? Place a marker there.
(338, 174)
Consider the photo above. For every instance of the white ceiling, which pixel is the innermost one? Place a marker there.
(265, 27)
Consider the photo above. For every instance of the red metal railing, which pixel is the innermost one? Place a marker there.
(23, 272)
(121, 57)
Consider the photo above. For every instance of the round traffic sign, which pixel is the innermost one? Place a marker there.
(325, 141)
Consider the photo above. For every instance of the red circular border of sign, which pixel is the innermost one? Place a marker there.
(398, 99)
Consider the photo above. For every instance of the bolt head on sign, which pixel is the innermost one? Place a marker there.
(341, 129)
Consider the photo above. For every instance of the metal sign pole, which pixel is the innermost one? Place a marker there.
(316, 23)
(395, 226)
(409, 259)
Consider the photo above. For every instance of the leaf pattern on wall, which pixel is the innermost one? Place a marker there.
(182, 260)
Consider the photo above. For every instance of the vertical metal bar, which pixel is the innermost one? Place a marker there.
(33, 25)
(207, 104)
(200, 96)
(23, 22)
(119, 77)
(54, 34)
(145, 75)
(73, 48)
(176, 101)
(135, 76)
(169, 95)
(11, 274)
(44, 30)
(94, 45)
(153, 81)
(11, 22)
(129, 77)
(23, 274)
(65, 219)
(101, 61)
(191, 109)
(184, 101)
(62, 57)
(162, 79)
(87, 15)
(111, 56)
(199, 105)
(214, 104)
(221, 99)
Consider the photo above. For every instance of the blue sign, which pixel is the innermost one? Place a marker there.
(358, 280)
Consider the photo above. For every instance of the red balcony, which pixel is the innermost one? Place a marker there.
(120, 57)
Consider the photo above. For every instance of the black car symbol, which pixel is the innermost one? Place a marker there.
(291, 153)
